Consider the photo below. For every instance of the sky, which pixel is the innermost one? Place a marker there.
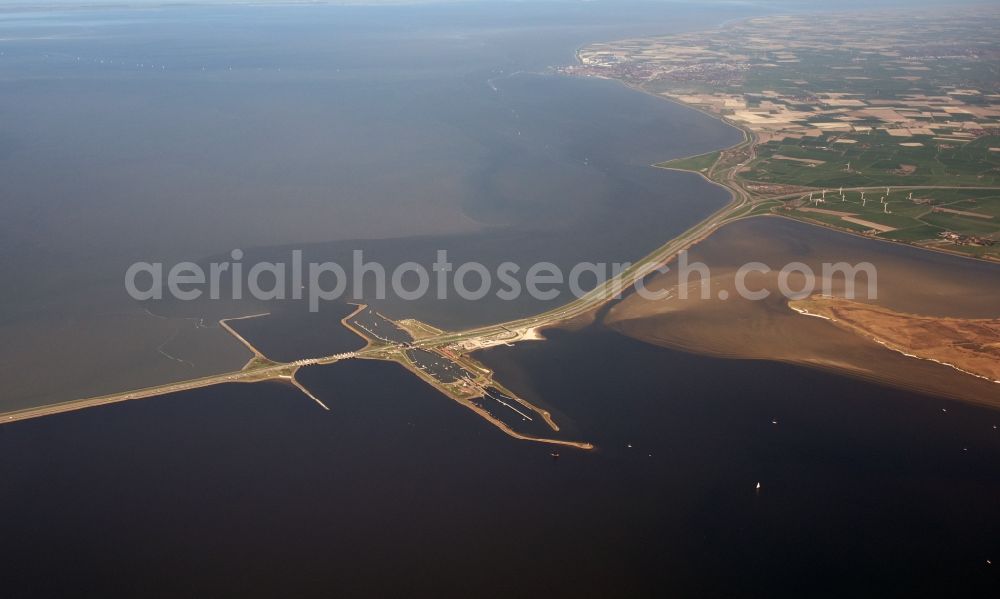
(772, 4)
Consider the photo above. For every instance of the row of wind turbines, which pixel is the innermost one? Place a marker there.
(864, 201)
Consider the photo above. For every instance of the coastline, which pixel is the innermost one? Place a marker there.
(751, 140)
(667, 252)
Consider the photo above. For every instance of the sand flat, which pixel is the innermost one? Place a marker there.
(968, 345)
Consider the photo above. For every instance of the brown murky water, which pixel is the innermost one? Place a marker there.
(908, 280)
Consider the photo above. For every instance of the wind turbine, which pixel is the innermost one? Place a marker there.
(910, 197)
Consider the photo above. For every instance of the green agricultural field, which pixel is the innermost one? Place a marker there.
(918, 216)
(876, 159)
(843, 102)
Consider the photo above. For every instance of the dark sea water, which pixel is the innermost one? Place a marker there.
(238, 490)
(289, 333)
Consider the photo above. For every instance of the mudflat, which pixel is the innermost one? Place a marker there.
(950, 294)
